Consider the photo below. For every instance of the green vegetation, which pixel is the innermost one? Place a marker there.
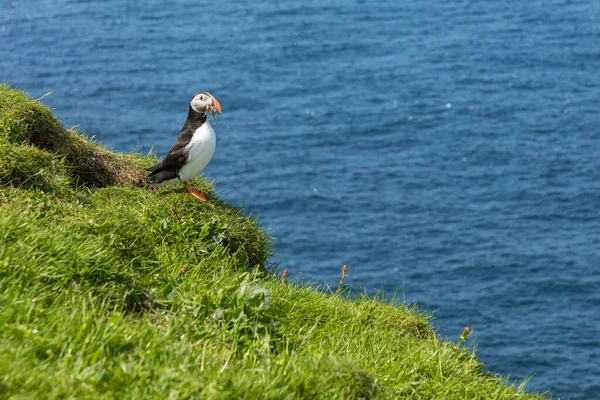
(108, 290)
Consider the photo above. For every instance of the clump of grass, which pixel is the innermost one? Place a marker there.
(27, 166)
(118, 292)
(25, 120)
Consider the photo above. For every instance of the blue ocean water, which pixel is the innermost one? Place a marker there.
(448, 151)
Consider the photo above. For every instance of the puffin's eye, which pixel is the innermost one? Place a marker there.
(202, 98)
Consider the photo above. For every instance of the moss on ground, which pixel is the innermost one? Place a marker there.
(108, 290)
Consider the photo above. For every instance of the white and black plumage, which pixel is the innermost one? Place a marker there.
(194, 147)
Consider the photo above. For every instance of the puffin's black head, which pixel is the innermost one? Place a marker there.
(205, 103)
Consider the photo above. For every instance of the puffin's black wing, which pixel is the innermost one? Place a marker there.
(169, 167)
(177, 154)
(164, 175)
(173, 161)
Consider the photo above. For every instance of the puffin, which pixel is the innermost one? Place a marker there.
(193, 148)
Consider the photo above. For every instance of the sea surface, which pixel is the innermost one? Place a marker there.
(448, 152)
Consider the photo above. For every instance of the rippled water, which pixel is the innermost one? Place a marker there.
(445, 151)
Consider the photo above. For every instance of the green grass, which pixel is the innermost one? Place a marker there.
(108, 290)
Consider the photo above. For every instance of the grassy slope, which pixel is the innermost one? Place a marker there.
(108, 290)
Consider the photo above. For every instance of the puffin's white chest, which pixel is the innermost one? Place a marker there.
(200, 150)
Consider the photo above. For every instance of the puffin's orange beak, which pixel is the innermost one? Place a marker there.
(217, 105)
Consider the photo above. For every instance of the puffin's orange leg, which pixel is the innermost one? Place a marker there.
(195, 193)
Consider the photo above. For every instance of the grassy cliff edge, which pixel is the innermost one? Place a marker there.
(108, 290)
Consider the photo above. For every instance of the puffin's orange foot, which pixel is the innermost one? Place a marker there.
(195, 193)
